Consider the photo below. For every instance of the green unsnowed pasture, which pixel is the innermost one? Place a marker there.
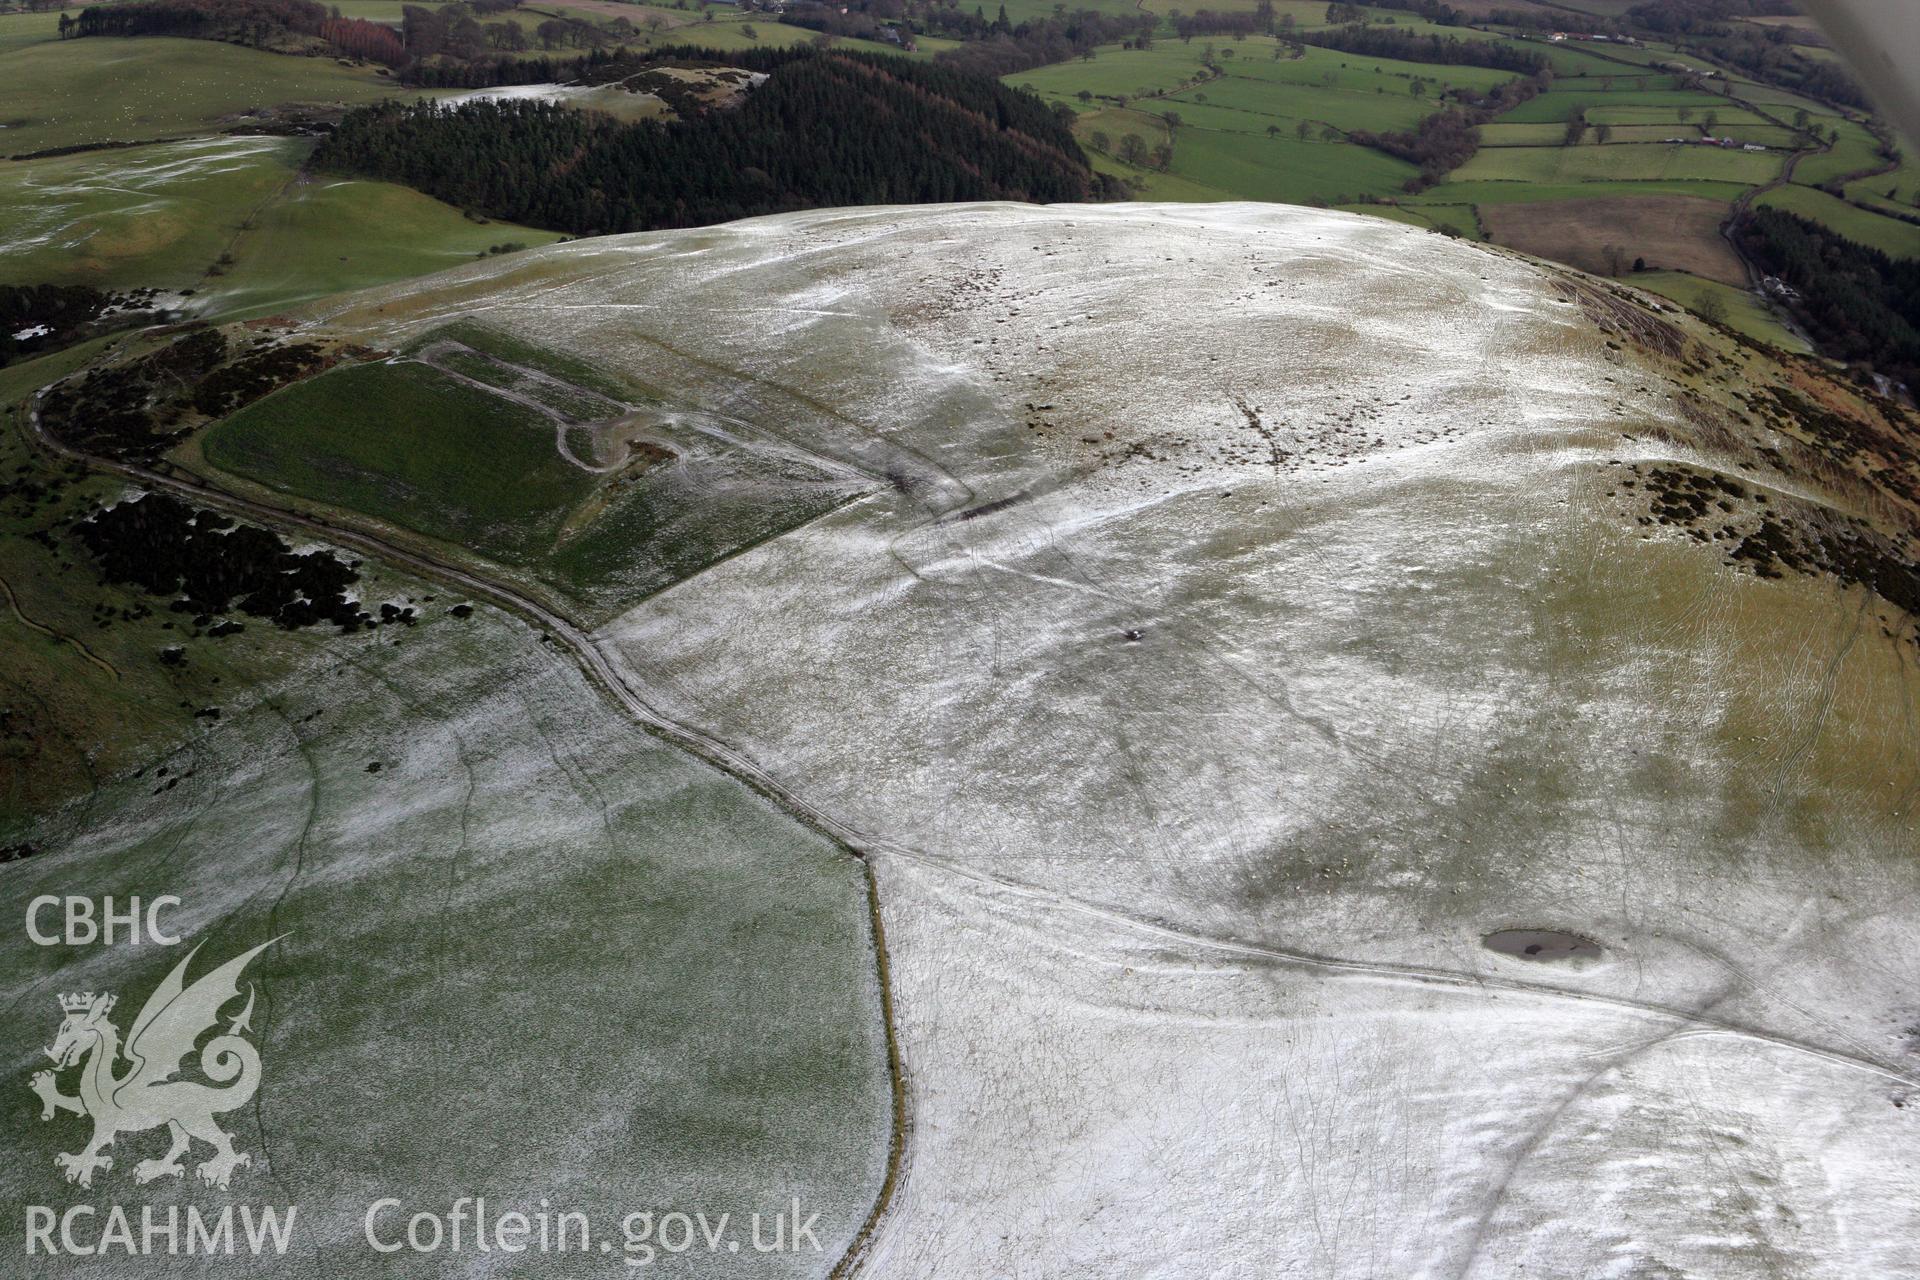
(1892, 237)
(1238, 132)
(1744, 312)
(471, 467)
(1249, 106)
(1898, 189)
(1783, 102)
(1463, 218)
(1621, 163)
(164, 216)
(1627, 81)
(84, 92)
(1284, 169)
(1635, 109)
(1116, 72)
(18, 30)
(1479, 193)
(409, 444)
(1627, 108)
(325, 234)
(1502, 134)
(1856, 151)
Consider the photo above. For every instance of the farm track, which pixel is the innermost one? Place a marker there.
(605, 676)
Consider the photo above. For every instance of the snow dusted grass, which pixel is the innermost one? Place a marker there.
(536, 954)
(166, 215)
(1250, 614)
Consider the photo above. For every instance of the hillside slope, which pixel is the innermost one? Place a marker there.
(1265, 606)
(1379, 757)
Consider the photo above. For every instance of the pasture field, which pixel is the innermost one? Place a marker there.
(1116, 72)
(101, 89)
(1653, 107)
(1238, 132)
(1899, 189)
(1463, 218)
(1856, 151)
(1745, 312)
(1241, 105)
(1284, 169)
(409, 445)
(1160, 186)
(1629, 82)
(1502, 134)
(156, 216)
(19, 30)
(1485, 193)
(1783, 101)
(324, 234)
(550, 468)
(1666, 108)
(1893, 238)
(164, 216)
(1619, 163)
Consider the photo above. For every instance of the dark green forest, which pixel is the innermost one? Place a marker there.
(1856, 302)
(825, 129)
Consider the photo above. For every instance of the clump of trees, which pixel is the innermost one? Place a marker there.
(374, 41)
(1449, 138)
(1451, 51)
(252, 22)
(1059, 38)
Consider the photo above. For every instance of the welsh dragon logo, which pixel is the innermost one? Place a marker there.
(145, 1095)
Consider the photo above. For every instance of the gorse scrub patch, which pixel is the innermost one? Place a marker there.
(825, 129)
(210, 565)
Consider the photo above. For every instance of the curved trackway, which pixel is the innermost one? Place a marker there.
(602, 673)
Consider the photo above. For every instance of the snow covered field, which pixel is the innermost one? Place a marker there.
(1253, 609)
(526, 953)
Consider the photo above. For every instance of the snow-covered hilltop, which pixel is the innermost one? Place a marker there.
(1251, 610)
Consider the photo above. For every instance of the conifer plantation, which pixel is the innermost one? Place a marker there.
(825, 129)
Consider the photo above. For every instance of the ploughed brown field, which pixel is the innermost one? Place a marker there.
(1675, 233)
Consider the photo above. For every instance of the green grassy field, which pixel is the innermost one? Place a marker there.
(1463, 218)
(324, 234)
(1896, 239)
(1621, 163)
(19, 30)
(158, 215)
(412, 446)
(1899, 189)
(1627, 107)
(482, 475)
(162, 216)
(1628, 82)
(81, 92)
(1238, 133)
(1284, 169)
(1856, 151)
(1744, 312)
